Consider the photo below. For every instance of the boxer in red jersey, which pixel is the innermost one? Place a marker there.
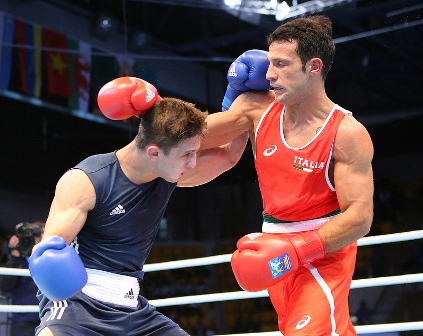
(313, 162)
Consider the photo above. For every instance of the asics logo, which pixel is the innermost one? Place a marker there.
(271, 150)
(118, 210)
(149, 96)
(303, 322)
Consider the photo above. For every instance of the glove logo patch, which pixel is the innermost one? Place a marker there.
(255, 235)
(150, 95)
(232, 71)
(280, 265)
(74, 244)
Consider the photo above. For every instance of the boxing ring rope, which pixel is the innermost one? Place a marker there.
(361, 283)
(368, 329)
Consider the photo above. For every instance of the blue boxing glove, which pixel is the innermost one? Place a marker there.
(57, 269)
(247, 72)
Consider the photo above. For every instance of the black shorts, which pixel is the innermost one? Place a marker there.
(84, 316)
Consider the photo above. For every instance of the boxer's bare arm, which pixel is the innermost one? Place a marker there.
(214, 161)
(74, 197)
(353, 179)
(45, 332)
(243, 116)
(226, 137)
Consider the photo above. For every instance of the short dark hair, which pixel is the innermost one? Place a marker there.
(314, 38)
(169, 122)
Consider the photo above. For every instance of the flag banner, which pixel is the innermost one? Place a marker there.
(104, 68)
(7, 32)
(38, 60)
(20, 38)
(126, 66)
(56, 54)
(47, 64)
(83, 75)
(80, 74)
(28, 37)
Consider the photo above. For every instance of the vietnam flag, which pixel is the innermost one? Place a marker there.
(57, 56)
(29, 36)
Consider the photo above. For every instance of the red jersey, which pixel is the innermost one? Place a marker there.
(294, 182)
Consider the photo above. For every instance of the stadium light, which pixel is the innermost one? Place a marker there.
(281, 10)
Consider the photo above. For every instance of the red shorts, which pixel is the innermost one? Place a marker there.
(314, 300)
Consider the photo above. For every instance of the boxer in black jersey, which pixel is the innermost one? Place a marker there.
(108, 208)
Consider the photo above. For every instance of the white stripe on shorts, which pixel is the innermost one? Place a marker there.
(328, 294)
(57, 310)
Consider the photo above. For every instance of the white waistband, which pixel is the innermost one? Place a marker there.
(113, 288)
(301, 226)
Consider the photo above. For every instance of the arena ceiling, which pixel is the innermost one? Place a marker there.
(379, 42)
(377, 73)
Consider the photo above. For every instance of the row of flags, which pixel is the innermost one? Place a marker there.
(45, 64)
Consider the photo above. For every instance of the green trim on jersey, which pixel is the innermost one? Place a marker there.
(270, 219)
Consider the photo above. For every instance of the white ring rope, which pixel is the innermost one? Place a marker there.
(390, 238)
(218, 259)
(365, 329)
(239, 295)
(375, 282)
(224, 258)
(361, 283)
(14, 271)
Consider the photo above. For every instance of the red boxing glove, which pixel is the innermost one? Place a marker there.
(263, 259)
(126, 97)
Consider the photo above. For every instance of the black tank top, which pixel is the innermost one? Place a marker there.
(119, 232)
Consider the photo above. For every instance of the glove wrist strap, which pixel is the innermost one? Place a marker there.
(309, 246)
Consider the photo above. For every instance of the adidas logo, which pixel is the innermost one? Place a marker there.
(129, 295)
(149, 96)
(118, 210)
(232, 71)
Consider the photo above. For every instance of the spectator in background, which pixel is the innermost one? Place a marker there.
(363, 313)
(21, 289)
